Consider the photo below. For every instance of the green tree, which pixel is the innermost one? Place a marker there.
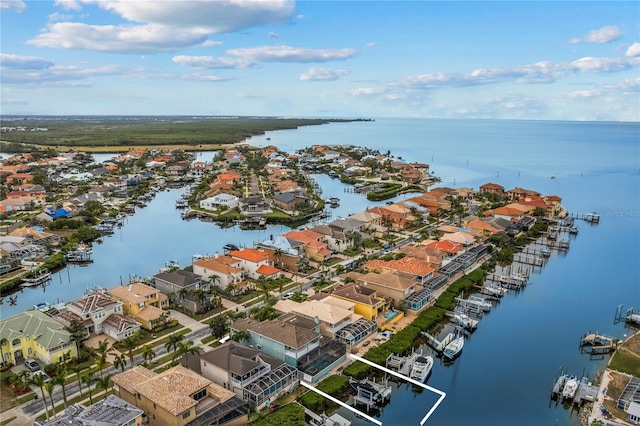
(60, 379)
(120, 361)
(50, 386)
(3, 341)
(77, 369)
(104, 382)
(101, 363)
(39, 381)
(77, 335)
(129, 344)
(88, 379)
(239, 336)
(186, 349)
(219, 327)
(148, 353)
(201, 298)
(173, 342)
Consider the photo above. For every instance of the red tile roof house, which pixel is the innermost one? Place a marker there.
(492, 188)
(226, 269)
(409, 267)
(518, 193)
(311, 242)
(251, 261)
(447, 248)
(19, 178)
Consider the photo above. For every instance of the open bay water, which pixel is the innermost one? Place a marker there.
(505, 373)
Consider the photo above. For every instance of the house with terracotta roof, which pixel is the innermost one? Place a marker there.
(99, 313)
(518, 193)
(390, 218)
(481, 227)
(465, 239)
(143, 303)
(19, 178)
(366, 300)
(430, 255)
(250, 260)
(409, 267)
(447, 248)
(220, 271)
(282, 252)
(492, 188)
(253, 376)
(311, 243)
(390, 285)
(179, 396)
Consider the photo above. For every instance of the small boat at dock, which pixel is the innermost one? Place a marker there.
(421, 368)
(570, 388)
(37, 278)
(454, 348)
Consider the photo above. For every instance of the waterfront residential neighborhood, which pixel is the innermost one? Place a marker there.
(229, 338)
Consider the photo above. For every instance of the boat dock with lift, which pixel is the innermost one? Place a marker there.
(371, 393)
(401, 364)
(567, 388)
(630, 317)
(597, 344)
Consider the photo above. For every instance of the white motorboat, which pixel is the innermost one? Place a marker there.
(453, 349)
(421, 368)
(570, 388)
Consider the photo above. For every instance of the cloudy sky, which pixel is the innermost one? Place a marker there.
(512, 60)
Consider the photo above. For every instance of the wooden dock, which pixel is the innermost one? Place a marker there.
(528, 259)
(597, 344)
(436, 344)
(586, 391)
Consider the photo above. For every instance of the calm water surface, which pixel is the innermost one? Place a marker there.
(505, 373)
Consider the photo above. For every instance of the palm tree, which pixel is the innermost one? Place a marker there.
(120, 361)
(182, 293)
(264, 286)
(231, 288)
(148, 353)
(201, 297)
(39, 380)
(213, 279)
(173, 342)
(3, 341)
(104, 382)
(77, 369)
(101, 363)
(87, 380)
(239, 336)
(187, 348)
(60, 379)
(50, 386)
(277, 256)
(103, 349)
(130, 343)
(19, 381)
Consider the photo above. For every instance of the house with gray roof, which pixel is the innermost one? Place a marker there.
(181, 284)
(111, 410)
(295, 340)
(252, 375)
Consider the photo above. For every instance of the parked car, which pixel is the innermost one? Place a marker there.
(287, 295)
(32, 364)
(41, 373)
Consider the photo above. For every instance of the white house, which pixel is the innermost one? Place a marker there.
(224, 267)
(250, 260)
(224, 201)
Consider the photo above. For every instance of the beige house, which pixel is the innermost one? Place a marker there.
(221, 271)
(143, 303)
(178, 397)
(332, 318)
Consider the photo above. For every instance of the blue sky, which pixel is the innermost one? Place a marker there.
(508, 60)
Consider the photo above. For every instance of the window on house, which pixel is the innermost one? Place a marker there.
(199, 395)
(186, 414)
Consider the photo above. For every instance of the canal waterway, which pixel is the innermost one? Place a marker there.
(505, 372)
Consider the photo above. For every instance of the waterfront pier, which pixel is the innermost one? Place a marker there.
(597, 344)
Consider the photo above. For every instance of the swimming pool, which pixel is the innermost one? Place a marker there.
(389, 315)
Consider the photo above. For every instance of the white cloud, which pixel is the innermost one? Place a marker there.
(68, 4)
(273, 34)
(601, 35)
(57, 16)
(633, 50)
(111, 38)
(323, 74)
(23, 62)
(162, 26)
(292, 54)
(58, 73)
(250, 57)
(212, 16)
(582, 94)
(12, 6)
(209, 62)
(603, 64)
